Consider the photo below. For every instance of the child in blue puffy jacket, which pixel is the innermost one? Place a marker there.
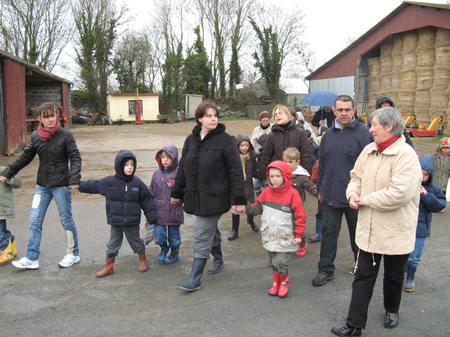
(432, 200)
(125, 195)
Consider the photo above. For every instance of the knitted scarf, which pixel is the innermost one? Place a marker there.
(244, 158)
(46, 134)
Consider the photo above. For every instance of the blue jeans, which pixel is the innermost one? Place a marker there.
(5, 235)
(161, 232)
(42, 198)
(414, 257)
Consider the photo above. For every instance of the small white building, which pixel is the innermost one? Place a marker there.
(124, 107)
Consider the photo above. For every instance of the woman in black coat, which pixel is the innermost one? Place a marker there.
(209, 181)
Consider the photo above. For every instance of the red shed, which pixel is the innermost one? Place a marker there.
(25, 86)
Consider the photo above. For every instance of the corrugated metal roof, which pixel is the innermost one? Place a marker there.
(33, 67)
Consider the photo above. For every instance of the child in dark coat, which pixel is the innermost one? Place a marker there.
(170, 217)
(125, 195)
(432, 200)
(248, 162)
(301, 182)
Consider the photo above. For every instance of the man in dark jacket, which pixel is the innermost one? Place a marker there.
(55, 147)
(339, 149)
(324, 113)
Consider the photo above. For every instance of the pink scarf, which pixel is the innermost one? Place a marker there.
(46, 134)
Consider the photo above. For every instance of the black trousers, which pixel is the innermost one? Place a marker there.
(364, 282)
(332, 218)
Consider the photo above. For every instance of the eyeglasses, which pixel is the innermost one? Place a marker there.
(342, 110)
(265, 120)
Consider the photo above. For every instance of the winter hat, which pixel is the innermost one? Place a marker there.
(262, 139)
(444, 142)
(383, 98)
(300, 116)
(264, 114)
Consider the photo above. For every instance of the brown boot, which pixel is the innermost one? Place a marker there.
(143, 267)
(108, 269)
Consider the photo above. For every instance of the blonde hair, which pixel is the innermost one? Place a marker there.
(291, 153)
(283, 109)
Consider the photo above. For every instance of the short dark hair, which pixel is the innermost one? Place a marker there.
(344, 98)
(47, 110)
(202, 107)
(308, 133)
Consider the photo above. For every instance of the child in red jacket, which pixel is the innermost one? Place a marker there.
(283, 223)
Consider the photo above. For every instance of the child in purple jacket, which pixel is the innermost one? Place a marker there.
(170, 217)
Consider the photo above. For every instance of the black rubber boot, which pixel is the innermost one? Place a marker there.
(196, 274)
(252, 223)
(218, 259)
(235, 227)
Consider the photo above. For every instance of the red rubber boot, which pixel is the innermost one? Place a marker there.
(284, 285)
(276, 283)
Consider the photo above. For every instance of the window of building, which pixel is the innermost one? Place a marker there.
(133, 107)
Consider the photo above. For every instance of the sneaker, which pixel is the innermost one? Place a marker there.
(69, 260)
(321, 279)
(442, 212)
(25, 263)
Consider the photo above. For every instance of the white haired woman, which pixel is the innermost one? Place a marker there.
(384, 186)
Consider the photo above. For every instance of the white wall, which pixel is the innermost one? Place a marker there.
(117, 107)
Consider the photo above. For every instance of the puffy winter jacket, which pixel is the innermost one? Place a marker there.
(125, 195)
(161, 187)
(283, 215)
(209, 178)
(54, 155)
(431, 202)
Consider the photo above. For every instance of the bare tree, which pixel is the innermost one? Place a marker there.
(36, 30)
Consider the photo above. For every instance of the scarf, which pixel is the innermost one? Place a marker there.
(384, 145)
(265, 127)
(244, 158)
(46, 134)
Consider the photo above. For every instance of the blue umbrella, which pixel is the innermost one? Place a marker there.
(319, 98)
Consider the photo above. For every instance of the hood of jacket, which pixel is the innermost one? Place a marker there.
(383, 98)
(427, 163)
(122, 157)
(173, 153)
(285, 171)
(240, 138)
(198, 128)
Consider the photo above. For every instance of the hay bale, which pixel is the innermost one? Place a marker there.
(442, 56)
(396, 80)
(386, 81)
(374, 66)
(397, 45)
(409, 62)
(441, 78)
(425, 77)
(408, 80)
(426, 40)
(406, 100)
(393, 94)
(410, 42)
(439, 100)
(425, 59)
(422, 104)
(442, 37)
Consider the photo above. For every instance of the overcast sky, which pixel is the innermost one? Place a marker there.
(329, 23)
